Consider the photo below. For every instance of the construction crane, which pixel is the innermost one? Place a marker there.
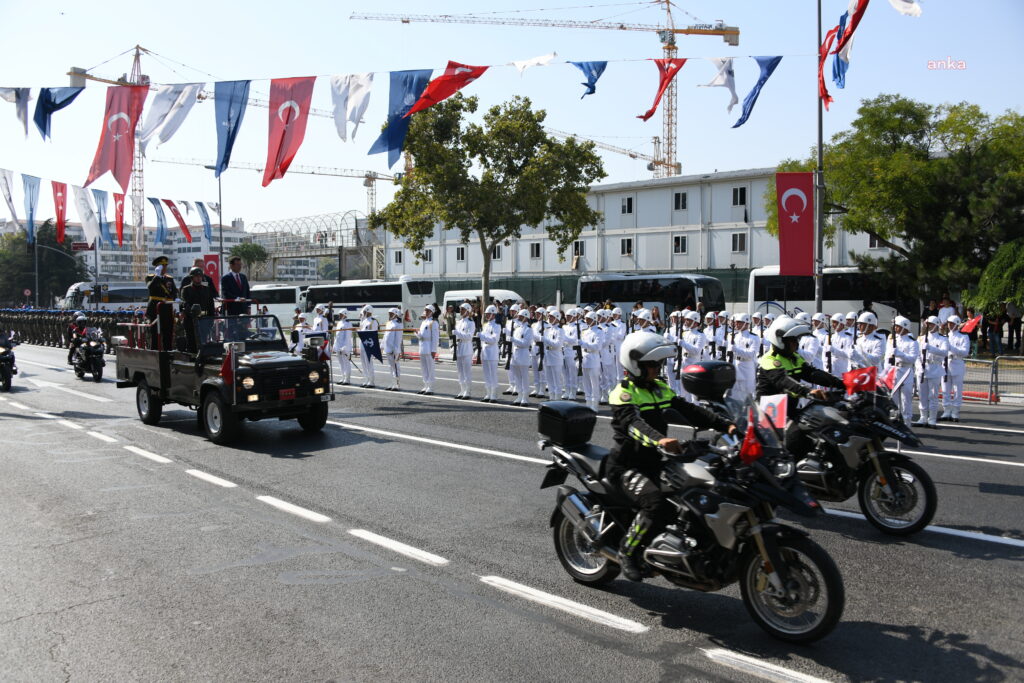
(666, 34)
(370, 178)
(654, 163)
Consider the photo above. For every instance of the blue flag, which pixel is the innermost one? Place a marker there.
(840, 63)
(161, 221)
(592, 71)
(51, 100)
(406, 88)
(101, 212)
(370, 342)
(207, 228)
(31, 200)
(229, 99)
(767, 65)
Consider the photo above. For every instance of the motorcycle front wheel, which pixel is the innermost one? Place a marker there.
(812, 601)
(910, 508)
(578, 555)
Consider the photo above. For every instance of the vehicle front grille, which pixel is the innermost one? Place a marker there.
(271, 382)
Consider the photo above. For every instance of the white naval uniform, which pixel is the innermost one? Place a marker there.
(393, 349)
(569, 333)
(693, 342)
(744, 352)
(609, 364)
(953, 384)
(522, 358)
(490, 337)
(810, 349)
(465, 329)
(618, 329)
(540, 385)
(510, 325)
(670, 363)
(905, 353)
(366, 360)
(301, 329)
(429, 336)
(554, 360)
(343, 349)
(870, 351)
(590, 341)
(929, 373)
(842, 351)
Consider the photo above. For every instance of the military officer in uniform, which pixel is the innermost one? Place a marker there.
(490, 337)
(393, 346)
(554, 357)
(429, 336)
(744, 351)
(465, 330)
(196, 302)
(160, 309)
(522, 359)
(930, 370)
(367, 324)
(870, 343)
(903, 356)
(343, 347)
(953, 383)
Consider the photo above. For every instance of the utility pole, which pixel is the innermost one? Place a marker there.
(819, 200)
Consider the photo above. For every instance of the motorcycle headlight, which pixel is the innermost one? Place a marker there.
(92, 343)
(314, 376)
(248, 382)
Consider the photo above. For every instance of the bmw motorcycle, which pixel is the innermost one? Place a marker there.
(7, 367)
(88, 356)
(724, 532)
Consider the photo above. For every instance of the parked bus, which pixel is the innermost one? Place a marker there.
(111, 296)
(663, 291)
(351, 295)
(279, 299)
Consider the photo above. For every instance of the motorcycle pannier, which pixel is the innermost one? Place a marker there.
(709, 380)
(564, 423)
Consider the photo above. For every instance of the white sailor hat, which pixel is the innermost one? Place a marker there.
(465, 306)
(366, 309)
(319, 307)
(616, 311)
(396, 311)
(431, 308)
(492, 309)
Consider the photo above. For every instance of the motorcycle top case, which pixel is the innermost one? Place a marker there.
(565, 423)
(709, 380)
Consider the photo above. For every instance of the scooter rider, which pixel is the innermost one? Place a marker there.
(77, 332)
(639, 427)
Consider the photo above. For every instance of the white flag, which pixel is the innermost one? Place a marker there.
(168, 111)
(187, 205)
(6, 184)
(86, 214)
(908, 8)
(138, 220)
(725, 78)
(351, 95)
(525, 64)
(19, 97)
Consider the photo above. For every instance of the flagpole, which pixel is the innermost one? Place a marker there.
(819, 197)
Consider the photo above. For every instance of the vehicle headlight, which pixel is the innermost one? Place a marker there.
(92, 343)
(314, 376)
(248, 382)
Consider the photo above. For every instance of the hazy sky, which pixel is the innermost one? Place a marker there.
(260, 40)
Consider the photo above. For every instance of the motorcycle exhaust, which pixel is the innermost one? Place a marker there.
(576, 511)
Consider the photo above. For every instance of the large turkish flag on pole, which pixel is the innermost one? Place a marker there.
(795, 192)
(116, 151)
(289, 109)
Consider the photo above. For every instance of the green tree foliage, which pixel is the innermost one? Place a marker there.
(253, 257)
(489, 181)
(57, 272)
(1002, 280)
(941, 186)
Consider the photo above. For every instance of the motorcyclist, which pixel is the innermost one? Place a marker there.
(640, 426)
(7, 339)
(77, 331)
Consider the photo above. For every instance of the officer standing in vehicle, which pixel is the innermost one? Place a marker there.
(196, 302)
(162, 293)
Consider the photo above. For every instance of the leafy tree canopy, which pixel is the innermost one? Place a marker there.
(57, 272)
(1002, 280)
(253, 256)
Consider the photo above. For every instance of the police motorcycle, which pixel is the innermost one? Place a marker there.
(725, 531)
(7, 367)
(88, 356)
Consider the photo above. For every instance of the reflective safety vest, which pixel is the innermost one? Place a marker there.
(794, 367)
(655, 398)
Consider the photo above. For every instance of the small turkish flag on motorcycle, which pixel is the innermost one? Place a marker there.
(861, 379)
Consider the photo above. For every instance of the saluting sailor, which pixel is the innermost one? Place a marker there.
(490, 337)
(429, 336)
(367, 324)
(465, 330)
(953, 383)
(393, 346)
(343, 347)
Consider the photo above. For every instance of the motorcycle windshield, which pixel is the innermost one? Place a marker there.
(747, 411)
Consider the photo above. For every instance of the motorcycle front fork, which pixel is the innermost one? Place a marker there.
(770, 559)
(883, 476)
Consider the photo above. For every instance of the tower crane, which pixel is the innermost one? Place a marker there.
(654, 163)
(666, 34)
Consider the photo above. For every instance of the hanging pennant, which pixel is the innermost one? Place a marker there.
(119, 217)
(60, 207)
(86, 214)
(768, 66)
(351, 96)
(52, 100)
(725, 78)
(181, 221)
(406, 88)
(524, 64)
(6, 189)
(207, 228)
(31, 202)
(667, 70)
(101, 213)
(289, 109)
(168, 111)
(19, 97)
(591, 71)
(116, 150)
(456, 77)
(229, 99)
(161, 221)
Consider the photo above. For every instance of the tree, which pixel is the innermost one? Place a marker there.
(941, 186)
(489, 181)
(57, 272)
(1002, 280)
(253, 256)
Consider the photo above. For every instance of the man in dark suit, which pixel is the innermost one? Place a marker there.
(235, 285)
(207, 280)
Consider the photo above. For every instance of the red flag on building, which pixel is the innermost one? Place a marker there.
(795, 192)
(60, 205)
(667, 70)
(456, 77)
(177, 217)
(116, 151)
(861, 379)
(289, 109)
(119, 217)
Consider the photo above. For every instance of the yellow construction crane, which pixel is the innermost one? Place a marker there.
(666, 34)
(654, 163)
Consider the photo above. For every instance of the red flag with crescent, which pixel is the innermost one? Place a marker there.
(861, 379)
(289, 109)
(667, 70)
(119, 217)
(456, 77)
(60, 205)
(971, 324)
(177, 217)
(795, 192)
(211, 264)
(826, 45)
(116, 151)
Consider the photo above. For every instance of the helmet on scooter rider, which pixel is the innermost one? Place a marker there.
(81, 320)
(783, 328)
(641, 348)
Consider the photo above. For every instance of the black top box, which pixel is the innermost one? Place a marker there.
(709, 380)
(565, 423)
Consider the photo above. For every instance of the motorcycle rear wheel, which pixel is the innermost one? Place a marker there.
(97, 375)
(578, 556)
(917, 505)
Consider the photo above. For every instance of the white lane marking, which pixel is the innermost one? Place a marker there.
(574, 608)
(199, 474)
(294, 509)
(399, 547)
(964, 457)
(19, 406)
(48, 416)
(973, 535)
(3, 399)
(42, 365)
(102, 437)
(59, 387)
(436, 442)
(146, 454)
(69, 423)
(944, 425)
(757, 667)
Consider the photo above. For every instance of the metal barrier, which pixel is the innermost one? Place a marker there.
(978, 385)
(1008, 377)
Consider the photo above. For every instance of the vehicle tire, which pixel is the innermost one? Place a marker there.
(578, 556)
(815, 597)
(315, 419)
(148, 404)
(5, 381)
(916, 505)
(97, 375)
(79, 372)
(219, 423)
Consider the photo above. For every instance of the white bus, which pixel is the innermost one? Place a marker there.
(279, 299)
(351, 295)
(111, 296)
(665, 292)
(844, 289)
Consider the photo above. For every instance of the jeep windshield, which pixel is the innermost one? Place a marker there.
(260, 331)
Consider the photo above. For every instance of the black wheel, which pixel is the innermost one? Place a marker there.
(578, 555)
(315, 419)
(79, 372)
(97, 375)
(220, 424)
(909, 508)
(5, 382)
(809, 607)
(148, 404)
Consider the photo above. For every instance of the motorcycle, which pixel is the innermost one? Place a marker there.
(725, 530)
(88, 356)
(7, 367)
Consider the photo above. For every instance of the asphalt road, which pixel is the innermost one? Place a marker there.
(146, 553)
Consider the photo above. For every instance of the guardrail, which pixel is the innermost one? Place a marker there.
(1008, 377)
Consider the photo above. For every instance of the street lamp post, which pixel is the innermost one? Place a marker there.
(35, 249)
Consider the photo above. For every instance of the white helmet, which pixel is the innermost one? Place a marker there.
(784, 328)
(710, 315)
(741, 318)
(839, 318)
(769, 317)
(820, 317)
(693, 316)
(465, 306)
(513, 308)
(492, 309)
(366, 309)
(589, 315)
(644, 314)
(869, 318)
(552, 310)
(756, 315)
(395, 311)
(604, 313)
(644, 347)
(851, 316)
(900, 321)
(933, 320)
(616, 311)
(803, 316)
(523, 313)
(319, 308)
(954, 320)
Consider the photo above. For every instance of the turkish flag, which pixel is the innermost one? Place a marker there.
(211, 264)
(456, 77)
(667, 70)
(861, 379)
(751, 448)
(177, 217)
(795, 192)
(971, 325)
(60, 204)
(289, 109)
(116, 151)
(119, 217)
(826, 45)
(889, 379)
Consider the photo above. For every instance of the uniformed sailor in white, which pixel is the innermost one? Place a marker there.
(570, 333)
(840, 349)
(673, 332)
(429, 337)
(722, 334)
(321, 326)
(522, 358)
(343, 347)
(490, 337)
(934, 350)
(744, 353)
(465, 330)
(590, 342)
(870, 349)
(538, 327)
(367, 324)
(710, 345)
(810, 347)
(819, 328)
(510, 324)
(693, 341)
(609, 364)
(953, 383)
(393, 347)
(554, 358)
(302, 327)
(757, 327)
(904, 356)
